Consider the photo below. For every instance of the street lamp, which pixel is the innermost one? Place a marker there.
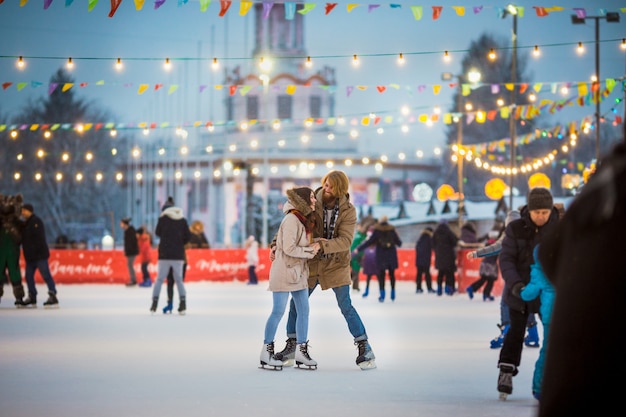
(577, 20)
(473, 77)
(513, 11)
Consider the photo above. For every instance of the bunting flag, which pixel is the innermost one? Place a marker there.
(244, 7)
(329, 8)
(418, 12)
(267, 8)
(224, 6)
(114, 5)
(290, 8)
(437, 12)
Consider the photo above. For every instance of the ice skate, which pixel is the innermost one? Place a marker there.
(268, 358)
(153, 307)
(52, 301)
(302, 357)
(470, 292)
(497, 342)
(168, 307)
(505, 379)
(366, 359)
(28, 302)
(182, 307)
(532, 338)
(393, 294)
(288, 354)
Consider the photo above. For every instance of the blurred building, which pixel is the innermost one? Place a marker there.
(279, 129)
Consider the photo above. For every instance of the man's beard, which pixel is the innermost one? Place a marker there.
(328, 199)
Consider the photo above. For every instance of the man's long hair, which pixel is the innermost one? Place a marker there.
(339, 181)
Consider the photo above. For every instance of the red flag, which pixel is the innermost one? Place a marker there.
(523, 88)
(114, 5)
(6, 85)
(232, 90)
(541, 11)
(437, 12)
(225, 5)
(329, 8)
(381, 88)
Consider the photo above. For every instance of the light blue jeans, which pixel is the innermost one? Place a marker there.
(280, 298)
(163, 266)
(342, 294)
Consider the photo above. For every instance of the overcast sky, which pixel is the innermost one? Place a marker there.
(149, 35)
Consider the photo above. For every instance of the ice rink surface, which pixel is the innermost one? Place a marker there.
(103, 354)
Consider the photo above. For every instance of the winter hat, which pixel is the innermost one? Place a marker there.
(539, 198)
(28, 207)
(169, 203)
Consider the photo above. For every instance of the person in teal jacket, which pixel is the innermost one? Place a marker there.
(540, 286)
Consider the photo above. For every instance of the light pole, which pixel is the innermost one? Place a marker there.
(513, 11)
(577, 20)
(473, 76)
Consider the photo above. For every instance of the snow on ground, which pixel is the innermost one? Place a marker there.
(103, 354)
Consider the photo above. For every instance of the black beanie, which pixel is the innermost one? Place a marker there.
(540, 198)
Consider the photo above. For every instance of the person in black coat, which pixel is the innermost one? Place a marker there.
(131, 249)
(386, 239)
(174, 234)
(584, 259)
(423, 260)
(521, 236)
(36, 255)
(445, 242)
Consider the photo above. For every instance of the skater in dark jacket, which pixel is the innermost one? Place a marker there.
(423, 260)
(173, 230)
(131, 249)
(36, 255)
(521, 236)
(387, 240)
(584, 259)
(445, 241)
(368, 263)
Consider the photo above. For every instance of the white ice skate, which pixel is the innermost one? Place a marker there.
(267, 358)
(303, 359)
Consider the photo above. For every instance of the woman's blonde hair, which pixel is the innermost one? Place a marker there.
(339, 181)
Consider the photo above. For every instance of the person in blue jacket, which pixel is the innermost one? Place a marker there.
(540, 286)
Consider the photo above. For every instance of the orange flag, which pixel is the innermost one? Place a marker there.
(540, 11)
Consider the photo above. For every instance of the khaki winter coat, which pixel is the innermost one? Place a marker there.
(289, 270)
(331, 266)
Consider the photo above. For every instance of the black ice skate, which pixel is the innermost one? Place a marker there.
(153, 307)
(505, 379)
(366, 359)
(28, 302)
(182, 307)
(52, 301)
(288, 354)
(303, 358)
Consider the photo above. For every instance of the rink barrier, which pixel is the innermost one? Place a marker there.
(76, 266)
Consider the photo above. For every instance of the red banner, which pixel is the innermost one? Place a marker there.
(74, 266)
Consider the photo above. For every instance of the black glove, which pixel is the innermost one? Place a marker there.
(517, 288)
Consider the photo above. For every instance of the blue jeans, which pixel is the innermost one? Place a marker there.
(280, 298)
(342, 294)
(44, 270)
